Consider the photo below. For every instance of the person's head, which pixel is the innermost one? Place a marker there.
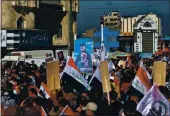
(15, 74)
(17, 90)
(84, 99)
(38, 73)
(83, 57)
(63, 103)
(29, 74)
(113, 95)
(129, 107)
(32, 92)
(43, 63)
(32, 61)
(112, 72)
(83, 47)
(90, 108)
(125, 87)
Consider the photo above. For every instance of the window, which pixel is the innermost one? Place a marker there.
(23, 2)
(147, 24)
(111, 19)
(59, 32)
(21, 23)
(106, 24)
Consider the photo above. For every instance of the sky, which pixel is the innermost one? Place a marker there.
(91, 10)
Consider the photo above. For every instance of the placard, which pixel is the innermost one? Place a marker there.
(53, 80)
(123, 63)
(83, 54)
(159, 73)
(105, 76)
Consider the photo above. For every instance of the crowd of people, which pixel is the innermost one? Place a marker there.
(22, 81)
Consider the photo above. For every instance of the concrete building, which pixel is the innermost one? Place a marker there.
(40, 15)
(112, 21)
(146, 34)
(126, 43)
(110, 39)
(128, 22)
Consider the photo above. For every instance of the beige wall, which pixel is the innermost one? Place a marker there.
(10, 17)
(65, 32)
(66, 5)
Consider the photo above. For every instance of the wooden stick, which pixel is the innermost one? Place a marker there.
(108, 96)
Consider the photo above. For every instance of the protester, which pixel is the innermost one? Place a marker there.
(23, 82)
(90, 109)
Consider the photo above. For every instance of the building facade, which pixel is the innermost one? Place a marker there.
(127, 24)
(146, 35)
(112, 21)
(41, 15)
(126, 43)
(110, 39)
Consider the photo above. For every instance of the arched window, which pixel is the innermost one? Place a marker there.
(20, 23)
(147, 24)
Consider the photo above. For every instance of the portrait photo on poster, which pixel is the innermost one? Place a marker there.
(83, 55)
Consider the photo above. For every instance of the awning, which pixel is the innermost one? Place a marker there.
(119, 54)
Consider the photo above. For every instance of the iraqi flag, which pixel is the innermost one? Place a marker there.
(45, 90)
(72, 76)
(111, 65)
(96, 81)
(154, 104)
(142, 81)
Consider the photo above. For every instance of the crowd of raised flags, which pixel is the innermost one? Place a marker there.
(153, 102)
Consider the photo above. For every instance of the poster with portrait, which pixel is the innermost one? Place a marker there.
(83, 53)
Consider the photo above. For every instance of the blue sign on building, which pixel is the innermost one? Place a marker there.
(110, 38)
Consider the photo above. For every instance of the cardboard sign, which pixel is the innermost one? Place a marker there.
(159, 73)
(105, 76)
(53, 80)
(10, 111)
(49, 60)
(123, 63)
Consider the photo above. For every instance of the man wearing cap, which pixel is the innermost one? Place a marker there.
(90, 109)
(83, 58)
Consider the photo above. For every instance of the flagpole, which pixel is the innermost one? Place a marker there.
(63, 110)
(102, 45)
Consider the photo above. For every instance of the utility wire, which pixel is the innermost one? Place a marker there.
(133, 7)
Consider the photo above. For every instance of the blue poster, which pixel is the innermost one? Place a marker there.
(83, 52)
